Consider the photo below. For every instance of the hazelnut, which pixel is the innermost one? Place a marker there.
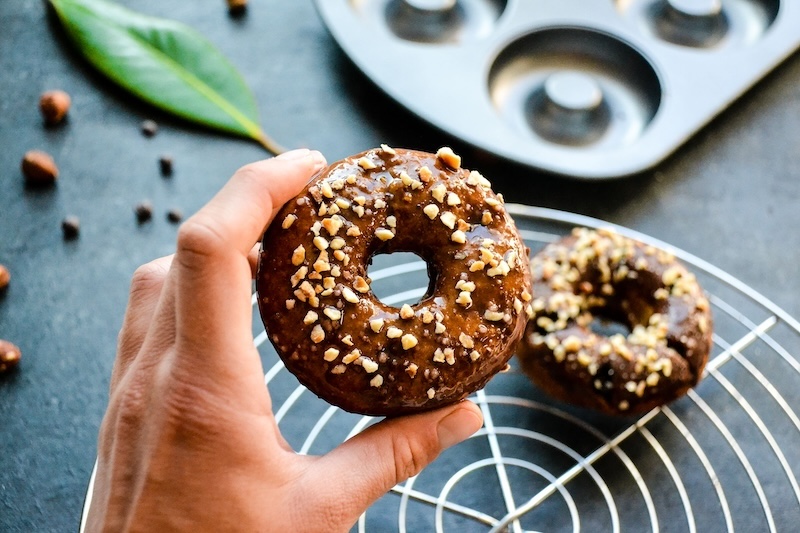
(5, 277)
(54, 106)
(9, 356)
(39, 168)
(71, 226)
(237, 7)
(144, 211)
(149, 128)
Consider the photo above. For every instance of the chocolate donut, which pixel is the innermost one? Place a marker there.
(334, 334)
(601, 274)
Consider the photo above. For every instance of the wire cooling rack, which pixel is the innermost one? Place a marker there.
(723, 458)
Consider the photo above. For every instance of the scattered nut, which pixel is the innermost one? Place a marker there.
(174, 215)
(144, 211)
(5, 277)
(71, 227)
(149, 128)
(10, 355)
(165, 164)
(39, 168)
(54, 106)
(237, 7)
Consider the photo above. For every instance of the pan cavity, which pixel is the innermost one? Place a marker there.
(443, 21)
(575, 87)
(703, 23)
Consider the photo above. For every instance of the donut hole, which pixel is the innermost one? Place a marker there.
(394, 290)
(608, 327)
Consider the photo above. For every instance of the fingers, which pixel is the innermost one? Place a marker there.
(365, 467)
(213, 275)
(146, 287)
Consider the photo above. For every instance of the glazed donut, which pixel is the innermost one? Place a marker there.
(334, 334)
(601, 274)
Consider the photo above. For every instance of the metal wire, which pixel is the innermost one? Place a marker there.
(723, 458)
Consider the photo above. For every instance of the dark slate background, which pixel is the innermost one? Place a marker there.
(729, 196)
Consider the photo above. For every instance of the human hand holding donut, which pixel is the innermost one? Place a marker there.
(189, 440)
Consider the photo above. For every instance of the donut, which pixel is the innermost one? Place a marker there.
(338, 338)
(590, 279)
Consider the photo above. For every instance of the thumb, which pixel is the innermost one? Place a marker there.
(364, 468)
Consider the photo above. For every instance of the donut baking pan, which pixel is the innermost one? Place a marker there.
(588, 88)
(722, 458)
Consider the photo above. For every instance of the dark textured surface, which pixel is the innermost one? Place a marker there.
(729, 196)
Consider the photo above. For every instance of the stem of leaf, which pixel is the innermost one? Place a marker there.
(269, 144)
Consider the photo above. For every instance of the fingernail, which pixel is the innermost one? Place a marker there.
(459, 425)
(319, 159)
(294, 154)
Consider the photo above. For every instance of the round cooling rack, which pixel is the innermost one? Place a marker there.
(725, 457)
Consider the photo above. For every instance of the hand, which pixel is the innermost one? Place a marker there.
(189, 440)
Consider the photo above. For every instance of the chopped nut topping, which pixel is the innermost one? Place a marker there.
(332, 224)
(391, 221)
(572, 343)
(321, 243)
(317, 334)
(450, 356)
(448, 219)
(352, 356)
(353, 231)
(377, 381)
(349, 295)
(493, 202)
(476, 266)
(517, 306)
(326, 190)
(342, 203)
(406, 312)
(438, 356)
(298, 256)
(448, 157)
(427, 317)
(476, 178)
(379, 203)
(464, 298)
(431, 393)
(369, 365)
(474, 355)
(359, 210)
(299, 276)
(394, 333)
(330, 354)
(332, 313)
(453, 199)
(438, 192)
(425, 174)
(388, 149)
(360, 284)
(338, 369)
(348, 340)
(486, 218)
(310, 318)
(351, 179)
(459, 237)
(492, 316)
(366, 164)
(384, 234)
(376, 324)
(432, 210)
(411, 370)
(360, 200)
(406, 179)
(463, 285)
(439, 328)
(408, 341)
(337, 243)
(466, 341)
(288, 221)
(290, 304)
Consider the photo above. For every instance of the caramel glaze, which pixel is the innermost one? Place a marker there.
(602, 273)
(332, 332)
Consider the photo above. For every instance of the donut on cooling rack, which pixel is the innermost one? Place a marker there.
(333, 333)
(592, 275)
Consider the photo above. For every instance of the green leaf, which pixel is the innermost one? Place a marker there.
(165, 63)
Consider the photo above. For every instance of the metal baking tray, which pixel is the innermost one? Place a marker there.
(594, 89)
